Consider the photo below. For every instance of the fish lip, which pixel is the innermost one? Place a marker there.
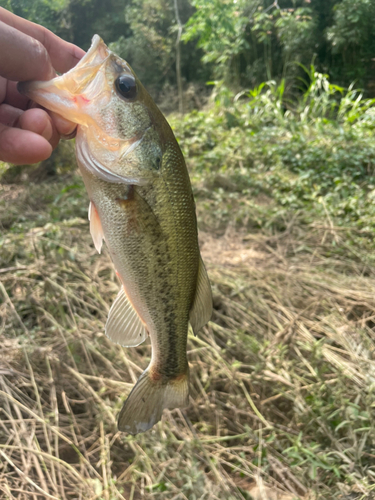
(95, 42)
(26, 88)
(44, 93)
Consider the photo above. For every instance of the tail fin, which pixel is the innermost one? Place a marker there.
(147, 400)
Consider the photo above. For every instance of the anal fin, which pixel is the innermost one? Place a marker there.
(123, 324)
(201, 312)
(96, 229)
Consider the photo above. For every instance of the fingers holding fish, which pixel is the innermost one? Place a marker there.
(9, 115)
(19, 146)
(23, 57)
(65, 128)
(10, 95)
(26, 136)
(30, 52)
(40, 122)
(51, 51)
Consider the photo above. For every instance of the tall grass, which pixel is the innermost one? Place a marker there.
(282, 378)
(314, 99)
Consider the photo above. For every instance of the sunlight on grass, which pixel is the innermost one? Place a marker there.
(282, 378)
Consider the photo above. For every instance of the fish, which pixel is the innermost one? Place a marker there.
(142, 206)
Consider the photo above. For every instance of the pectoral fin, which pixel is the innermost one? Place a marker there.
(201, 312)
(96, 229)
(123, 324)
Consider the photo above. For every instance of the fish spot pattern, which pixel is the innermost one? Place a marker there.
(154, 246)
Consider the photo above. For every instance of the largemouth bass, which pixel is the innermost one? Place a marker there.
(142, 205)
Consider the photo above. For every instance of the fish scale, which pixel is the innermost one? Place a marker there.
(142, 206)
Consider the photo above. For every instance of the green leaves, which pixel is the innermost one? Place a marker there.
(220, 27)
(248, 41)
(315, 154)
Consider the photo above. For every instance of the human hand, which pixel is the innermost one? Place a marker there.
(30, 52)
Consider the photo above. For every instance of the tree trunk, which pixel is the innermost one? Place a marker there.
(178, 60)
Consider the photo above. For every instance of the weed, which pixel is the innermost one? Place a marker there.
(282, 378)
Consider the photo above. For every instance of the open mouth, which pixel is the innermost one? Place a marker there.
(67, 94)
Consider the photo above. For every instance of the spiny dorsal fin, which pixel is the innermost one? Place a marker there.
(201, 312)
(96, 229)
(123, 324)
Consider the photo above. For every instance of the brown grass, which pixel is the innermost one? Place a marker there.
(282, 378)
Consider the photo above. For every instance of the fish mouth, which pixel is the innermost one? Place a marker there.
(97, 53)
(78, 96)
(69, 94)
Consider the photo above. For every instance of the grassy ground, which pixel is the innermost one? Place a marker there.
(282, 378)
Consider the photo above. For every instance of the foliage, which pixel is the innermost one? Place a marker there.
(47, 13)
(249, 40)
(282, 378)
(87, 17)
(151, 46)
(352, 35)
(242, 42)
(150, 22)
(220, 27)
(75, 20)
(284, 181)
(315, 154)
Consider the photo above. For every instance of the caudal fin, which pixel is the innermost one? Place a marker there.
(147, 400)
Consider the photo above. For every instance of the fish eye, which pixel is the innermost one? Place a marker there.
(126, 86)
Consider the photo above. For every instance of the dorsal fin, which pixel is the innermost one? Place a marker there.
(201, 312)
(96, 229)
(123, 324)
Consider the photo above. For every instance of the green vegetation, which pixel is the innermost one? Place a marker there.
(314, 155)
(283, 377)
(244, 42)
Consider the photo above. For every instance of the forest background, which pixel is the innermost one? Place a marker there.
(243, 42)
(273, 106)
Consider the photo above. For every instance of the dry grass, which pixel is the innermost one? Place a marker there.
(282, 378)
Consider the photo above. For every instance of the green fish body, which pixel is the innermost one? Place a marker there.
(141, 204)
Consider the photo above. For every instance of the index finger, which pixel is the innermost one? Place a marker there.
(64, 55)
(22, 57)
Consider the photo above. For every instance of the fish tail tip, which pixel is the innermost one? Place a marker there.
(147, 400)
